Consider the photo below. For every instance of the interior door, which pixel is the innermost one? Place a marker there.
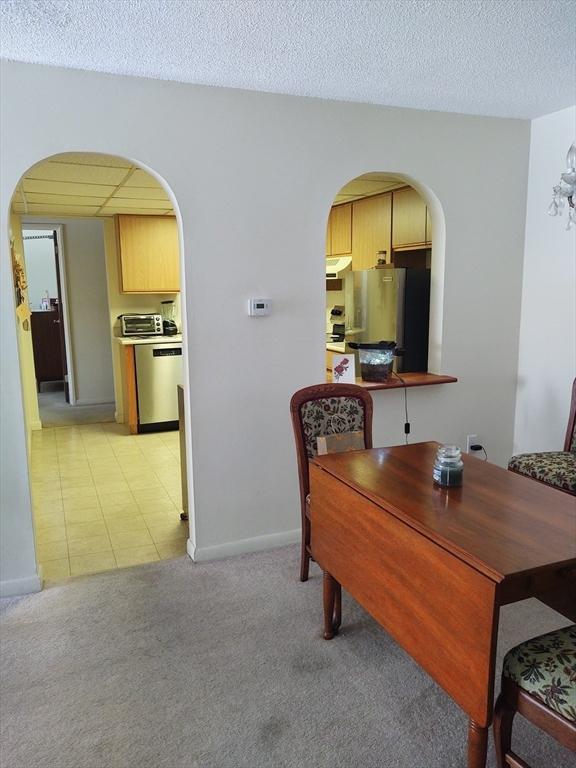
(60, 322)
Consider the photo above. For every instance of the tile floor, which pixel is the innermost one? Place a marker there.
(104, 499)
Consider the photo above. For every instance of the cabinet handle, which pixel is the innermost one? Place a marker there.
(55, 321)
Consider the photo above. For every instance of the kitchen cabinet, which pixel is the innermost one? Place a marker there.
(339, 232)
(408, 219)
(149, 254)
(371, 230)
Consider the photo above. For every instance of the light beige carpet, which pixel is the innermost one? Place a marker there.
(222, 665)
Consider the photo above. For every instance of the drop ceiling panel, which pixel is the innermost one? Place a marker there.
(141, 179)
(379, 176)
(84, 174)
(91, 158)
(58, 210)
(33, 197)
(142, 193)
(109, 211)
(126, 202)
(71, 184)
(66, 188)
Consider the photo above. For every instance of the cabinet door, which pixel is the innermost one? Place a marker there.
(149, 254)
(371, 225)
(341, 229)
(408, 218)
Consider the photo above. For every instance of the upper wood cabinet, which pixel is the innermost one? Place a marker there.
(149, 254)
(339, 233)
(371, 230)
(408, 219)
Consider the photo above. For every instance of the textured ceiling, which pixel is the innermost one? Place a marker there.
(512, 58)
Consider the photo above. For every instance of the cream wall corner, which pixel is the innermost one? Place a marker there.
(547, 354)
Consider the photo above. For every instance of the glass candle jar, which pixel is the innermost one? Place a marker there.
(448, 467)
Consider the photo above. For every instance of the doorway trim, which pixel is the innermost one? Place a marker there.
(59, 229)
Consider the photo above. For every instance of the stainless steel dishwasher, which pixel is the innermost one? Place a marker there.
(158, 373)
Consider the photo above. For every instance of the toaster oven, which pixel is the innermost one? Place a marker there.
(141, 325)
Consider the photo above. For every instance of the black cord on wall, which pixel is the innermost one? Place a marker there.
(407, 421)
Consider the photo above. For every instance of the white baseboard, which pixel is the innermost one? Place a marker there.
(13, 587)
(242, 546)
(35, 426)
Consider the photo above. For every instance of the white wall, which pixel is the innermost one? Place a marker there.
(18, 414)
(547, 358)
(87, 302)
(40, 267)
(243, 235)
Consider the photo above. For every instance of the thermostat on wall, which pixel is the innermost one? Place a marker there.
(259, 307)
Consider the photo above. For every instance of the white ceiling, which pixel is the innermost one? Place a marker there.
(84, 184)
(511, 58)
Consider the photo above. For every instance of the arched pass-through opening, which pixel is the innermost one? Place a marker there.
(385, 271)
(97, 257)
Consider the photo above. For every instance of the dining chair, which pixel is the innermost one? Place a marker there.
(319, 410)
(539, 682)
(554, 468)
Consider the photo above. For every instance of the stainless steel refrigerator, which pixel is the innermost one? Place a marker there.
(390, 305)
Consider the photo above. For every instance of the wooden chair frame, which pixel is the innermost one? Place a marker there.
(514, 699)
(320, 392)
(571, 419)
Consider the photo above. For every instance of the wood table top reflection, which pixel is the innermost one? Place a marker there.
(433, 565)
(498, 521)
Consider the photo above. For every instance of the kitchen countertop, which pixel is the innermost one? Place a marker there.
(132, 340)
(336, 346)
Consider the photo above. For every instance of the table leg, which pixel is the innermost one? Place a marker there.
(330, 591)
(477, 745)
(337, 620)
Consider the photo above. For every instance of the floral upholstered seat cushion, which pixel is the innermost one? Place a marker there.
(545, 667)
(554, 468)
(330, 416)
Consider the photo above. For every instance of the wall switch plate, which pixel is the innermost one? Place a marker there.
(471, 440)
(259, 307)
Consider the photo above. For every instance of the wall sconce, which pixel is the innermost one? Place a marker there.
(565, 189)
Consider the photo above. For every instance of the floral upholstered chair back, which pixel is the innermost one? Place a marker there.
(554, 468)
(330, 416)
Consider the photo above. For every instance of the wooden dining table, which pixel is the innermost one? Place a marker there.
(433, 565)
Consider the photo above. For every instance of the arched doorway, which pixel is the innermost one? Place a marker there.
(380, 270)
(103, 235)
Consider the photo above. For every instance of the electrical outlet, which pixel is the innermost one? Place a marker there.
(471, 440)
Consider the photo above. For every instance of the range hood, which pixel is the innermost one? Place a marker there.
(337, 266)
